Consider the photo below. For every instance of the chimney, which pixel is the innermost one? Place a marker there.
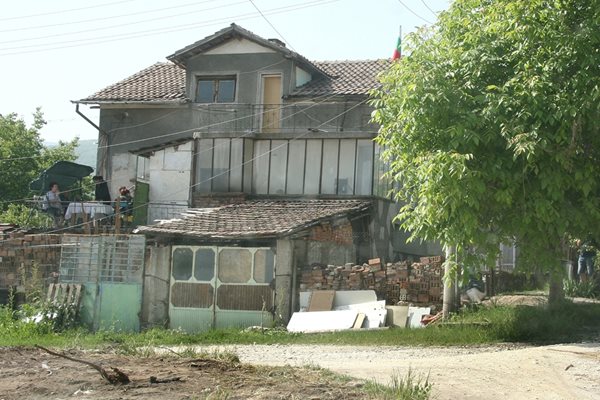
(277, 42)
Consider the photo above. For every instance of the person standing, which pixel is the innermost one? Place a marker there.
(54, 205)
(101, 192)
(585, 262)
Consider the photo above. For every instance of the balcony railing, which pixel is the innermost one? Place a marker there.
(284, 118)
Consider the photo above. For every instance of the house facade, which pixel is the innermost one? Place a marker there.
(249, 162)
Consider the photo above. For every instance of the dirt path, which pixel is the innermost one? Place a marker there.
(493, 372)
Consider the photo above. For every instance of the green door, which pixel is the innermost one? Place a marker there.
(140, 203)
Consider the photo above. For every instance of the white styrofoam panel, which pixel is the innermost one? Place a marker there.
(347, 297)
(321, 321)
(415, 314)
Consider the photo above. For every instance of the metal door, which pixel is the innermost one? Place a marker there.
(219, 287)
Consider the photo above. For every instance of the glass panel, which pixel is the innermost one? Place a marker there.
(345, 182)
(204, 265)
(226, 92)
(235, 265)
(206, 90)
(182, 264)
(364, 167)
(235, 174)
(330, 164)
(264, 266)
(278, 165)
(204, 165)
(260, 174)
(313, 166)
(295, 173)
(221, 166)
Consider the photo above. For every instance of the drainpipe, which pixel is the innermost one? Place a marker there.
(101, 163)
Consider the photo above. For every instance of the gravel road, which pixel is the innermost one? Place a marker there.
(503, 372)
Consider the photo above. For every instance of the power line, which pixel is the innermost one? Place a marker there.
(151, 32)
(272, 26)
(186, 189)
(64, 11)
(429, 8)
(414, 13)
(36, 27)
(160, 18)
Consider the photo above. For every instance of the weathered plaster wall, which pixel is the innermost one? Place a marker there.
(155, 298)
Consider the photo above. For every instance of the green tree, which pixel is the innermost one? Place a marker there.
(490, 126)
(23, 155)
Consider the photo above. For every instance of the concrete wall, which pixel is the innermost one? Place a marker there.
(155, 297)
(170, 174)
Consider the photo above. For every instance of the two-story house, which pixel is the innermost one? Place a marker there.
(257, 162)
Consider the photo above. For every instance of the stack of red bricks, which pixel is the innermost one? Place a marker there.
(19, 252)
(419, 282)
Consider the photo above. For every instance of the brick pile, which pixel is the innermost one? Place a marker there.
(19, 252)
(417, 283)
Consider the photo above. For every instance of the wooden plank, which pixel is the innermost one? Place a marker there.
(321, 300)
(51, 290)
(360, 319)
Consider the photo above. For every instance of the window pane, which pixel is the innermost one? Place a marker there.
(264, 266)
(221, 165)
(237, 161)
(345, 182)
(260, 170)
(295, 174)
(235, 265)
(330, 164)
(278, 166)
(204, 165)
(204, 265)
(313, 166)
(206, 90)
(182, 264)
(226, 91)
(364, 167)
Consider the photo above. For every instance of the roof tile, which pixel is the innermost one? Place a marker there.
(255, 218)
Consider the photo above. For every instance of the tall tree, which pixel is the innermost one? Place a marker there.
(23, 155)
(490, 125)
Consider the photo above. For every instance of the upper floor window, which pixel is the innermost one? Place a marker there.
(216, 89)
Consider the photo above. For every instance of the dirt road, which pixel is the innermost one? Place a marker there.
(492, 372)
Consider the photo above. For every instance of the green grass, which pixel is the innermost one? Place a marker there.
(564, 323)
(410, 387)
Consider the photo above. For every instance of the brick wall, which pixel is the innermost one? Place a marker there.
(20, 252)
(417, 283)
(211, 200)
(340, 234)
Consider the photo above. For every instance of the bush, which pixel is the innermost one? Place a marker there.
(589, 289)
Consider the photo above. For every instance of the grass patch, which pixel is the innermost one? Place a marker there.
(410, 387)
(566, 322)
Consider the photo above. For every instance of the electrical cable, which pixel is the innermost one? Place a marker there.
(152, 32)
(414, 13)
(186, 189)
(64, 11)
(429, 8)
(272, 26)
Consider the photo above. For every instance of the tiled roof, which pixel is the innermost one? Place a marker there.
(255, 218)
(166, 82)
(347, 78)
(157, 83)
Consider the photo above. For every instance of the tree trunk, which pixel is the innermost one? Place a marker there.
(449, 284)
(556, 293)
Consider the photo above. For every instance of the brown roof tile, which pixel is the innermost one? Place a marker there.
(157, 83)
(347, 78)
(255, 218)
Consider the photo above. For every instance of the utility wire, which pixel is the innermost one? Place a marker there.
(272, 26)
(111, 17)
(429, 8)
(186, 189)
(160, 18)
(150, 32)
(414, 13)
(64, 11)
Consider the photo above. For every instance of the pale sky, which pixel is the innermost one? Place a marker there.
(52, 52)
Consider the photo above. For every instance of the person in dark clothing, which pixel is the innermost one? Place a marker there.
(101, 192)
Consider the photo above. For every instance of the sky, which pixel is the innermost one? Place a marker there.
(53, 52)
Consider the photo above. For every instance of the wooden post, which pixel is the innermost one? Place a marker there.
(117, 217)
